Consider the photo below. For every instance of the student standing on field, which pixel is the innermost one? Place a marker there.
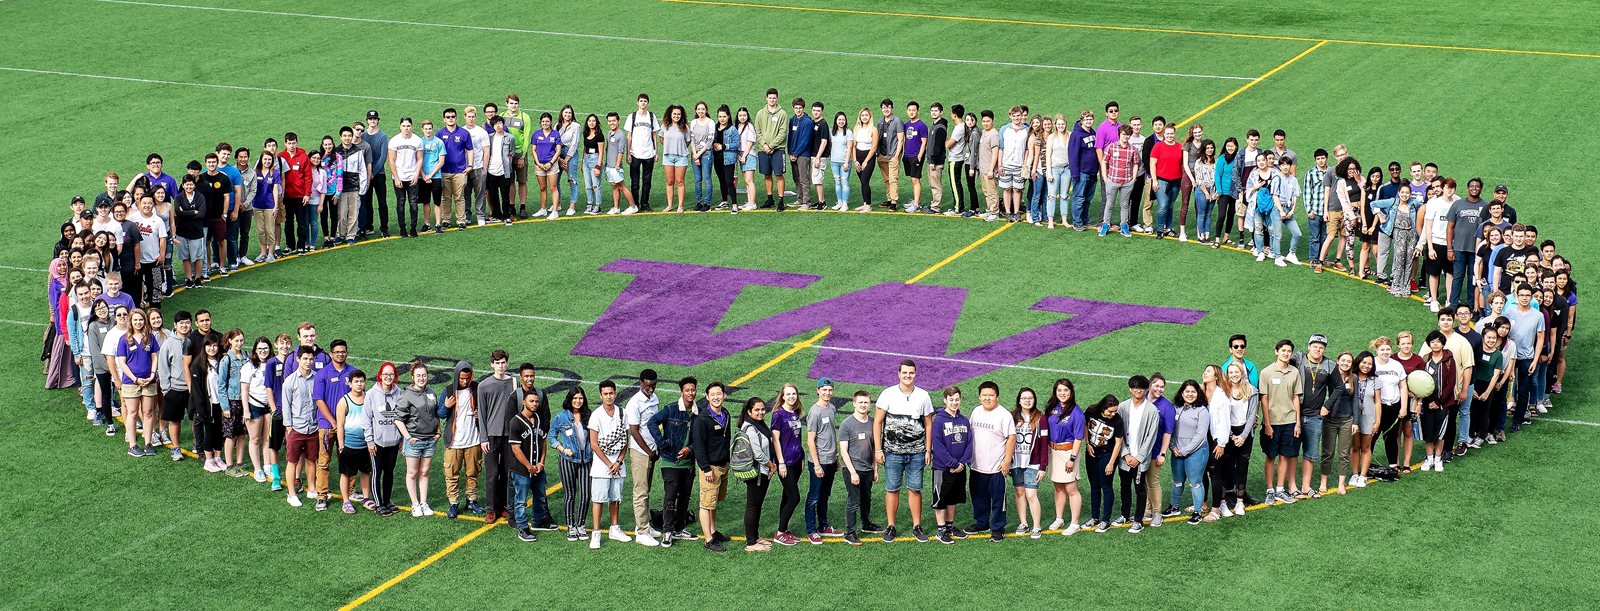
(1141, 435)
(902, 431)
(332, 384)
(300, 418)
(463, 452)
(855, 448)
(891, 143)
(787, 422)
(1031, 451)
(350, 426)
(569, 436)
(915, 151)
(1282, 388)
(497, 404)
(608, 436)
(771, 127)
(1317, 373)
(644, 136)
(642, 454)
(708, 441)
(668, 432)
(526, 378)
(458, 158)
(1065, 419)
(383, 433)
(994, 442)
(418, 424)
(822, 448)
(527, 453)
(1191, 431)
(404, 163)
(753, 428)
(938, 132)
(952, 456)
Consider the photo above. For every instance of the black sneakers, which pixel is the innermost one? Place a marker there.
(715, 545)
(921, 535)
(996, 537)
(888, 534)
(526, 535)
(944, 535)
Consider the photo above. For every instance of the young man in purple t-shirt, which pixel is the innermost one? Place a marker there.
(916, 147)
(332, 383)
(458, 157)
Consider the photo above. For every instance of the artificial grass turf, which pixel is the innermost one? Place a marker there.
(1384, 546)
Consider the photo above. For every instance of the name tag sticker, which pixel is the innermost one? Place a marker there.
(861, 435)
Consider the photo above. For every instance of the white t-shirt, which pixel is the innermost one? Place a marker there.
(498, 164)
(613, 439)
(639, 410)
(903, 429)
(405, 156)
(464, 428)
(108, 346)
(256, 377)
(991, 428)
(152, 232)
(1389, 376)
(642, 130)
(112, 226)
(1438, 209)
(480, 145)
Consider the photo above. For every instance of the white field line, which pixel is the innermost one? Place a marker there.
(688, 43)
(326, 94)
(433, 308)
(23, 269)
(1578, 422)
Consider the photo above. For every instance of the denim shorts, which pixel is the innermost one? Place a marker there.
(771, 164)
(749, 163)
(1025, 477)
(614, 175)
(675, 161)
(191, 249)
(417, 448)
(902, 467)
(1282, 443)
(605, 489)
(1311, 438)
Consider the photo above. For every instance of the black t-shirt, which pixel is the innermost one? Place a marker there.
(1102, 433)
(1476, 339)
(130, 240)
(591, 144)
(936, 136)
(216, 188)
(1507, 254)
(1559, 311)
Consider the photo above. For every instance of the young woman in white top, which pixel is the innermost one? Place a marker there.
(866, 137)
(841, 144)
(675, 154)
(1058, 174)
(571, 160)
(258, 401)
(747, 158)
(1204, 170)
(701, 131)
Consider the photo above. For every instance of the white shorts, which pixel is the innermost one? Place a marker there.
(614, 175)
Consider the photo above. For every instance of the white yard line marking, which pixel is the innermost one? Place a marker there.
(690, 43)
(23, 269)
(1577, 422)
(130, 79)
(25, 323)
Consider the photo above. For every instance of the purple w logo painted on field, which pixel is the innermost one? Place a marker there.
(670, 311)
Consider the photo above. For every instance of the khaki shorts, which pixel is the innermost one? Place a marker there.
(714, 491)
(131, 391)
(1336, 225)
(555, 168)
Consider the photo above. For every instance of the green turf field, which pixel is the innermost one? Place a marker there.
(86, 526)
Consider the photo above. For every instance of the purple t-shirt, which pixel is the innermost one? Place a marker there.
(1068, 428)
(122, 299)
(544, 144)
(265, 185)
(916, 138)
(456, 144)
(140, 358)
(1168, 421)
(331, 384)
(787, 425)
(163, 180)
(1105, 134)
(273, 378)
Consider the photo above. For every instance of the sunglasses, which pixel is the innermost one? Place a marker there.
(1237, 346)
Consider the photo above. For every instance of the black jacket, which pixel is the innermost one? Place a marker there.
(708, 440)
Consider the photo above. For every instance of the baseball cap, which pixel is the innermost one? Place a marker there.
(372, 114)
(77, 199)
(825, 382)
(1501, 189)
(1318, 338)
(102, 204)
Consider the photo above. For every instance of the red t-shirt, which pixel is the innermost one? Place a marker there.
(296, 173)
(1168, 159)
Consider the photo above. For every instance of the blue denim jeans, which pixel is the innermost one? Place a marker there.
(1037, 198)
(310, 228)
(1317, 228)
(1082, 191)
(1166, 193)
(575, 176)
(704, 176)
(86, 383)
(1058, 196)
(817, 494)
(1277, 235)
(1202, 211)
(591, 182)
(841, 180)
(1464, 417)
(1100, 494)
(988, 501)
(1190, 471)
(519, 499)
(1265, 222)
(1461, 276)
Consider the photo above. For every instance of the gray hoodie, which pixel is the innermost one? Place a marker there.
(417, 412)
(383, 410)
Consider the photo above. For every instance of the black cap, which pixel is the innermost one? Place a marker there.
(1501, 189)
(104, 203)
(372, 114)
(77, 199)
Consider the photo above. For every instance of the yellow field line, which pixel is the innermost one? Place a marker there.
(416, 567)
(960, 253)
(1124, 28)
(786, 354)
(1250, 84)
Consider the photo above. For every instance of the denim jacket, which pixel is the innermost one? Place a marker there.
(669, 427)
(230, 370)
(565, 435)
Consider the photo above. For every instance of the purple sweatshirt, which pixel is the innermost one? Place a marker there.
(952, 440)
(1080, 151)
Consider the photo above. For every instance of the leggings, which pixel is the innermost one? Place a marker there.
(1482, 409)
(865, 176)
(575, 488)
(725, 182)
(1389, 429)
(791, 495)
(383, 474)
(1133, 491)
(966, 199)
(210, 433)
(755, 495)
(105, 404)
(1100, 495)
(1214, 477)
(1225, 214)
(329, 216)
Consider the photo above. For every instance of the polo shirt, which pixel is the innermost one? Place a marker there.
(456, 144)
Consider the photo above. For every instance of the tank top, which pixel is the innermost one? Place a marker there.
(864, 137)
(354, 437)
(1058, 149)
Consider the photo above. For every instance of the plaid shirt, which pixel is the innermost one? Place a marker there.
(1315, 192)
(1122, 161)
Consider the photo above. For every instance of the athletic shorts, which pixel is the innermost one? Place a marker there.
(1282, 443)
(275, 440)
(913, 167)
(771, 164)
(605, 489)
(949, 489)
(904, 469)
(417, 448)
(1439, 264)
(1025, 477)
(301, 447)
(188, 249)
(519, 168)
(353, 461)
(1011, 178)
(173, 405)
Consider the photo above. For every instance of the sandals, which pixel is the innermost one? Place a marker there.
(1318, 494)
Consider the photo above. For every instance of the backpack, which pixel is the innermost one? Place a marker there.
(1264, 201)
(742, 458)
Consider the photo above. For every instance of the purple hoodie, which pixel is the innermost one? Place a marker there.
(1081, 151)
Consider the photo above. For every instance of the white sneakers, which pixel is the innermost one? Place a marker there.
(631, 210)
(554, 215)
(616, 534)
(646, 539)
(1226, 513)
(1278, 261)
(1056, 524)
(1261, 256)
(294, 500)
(1071, 528)
(1292, 260)
(594, 539)
(748, 207)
